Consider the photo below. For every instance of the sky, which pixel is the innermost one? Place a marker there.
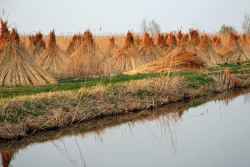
(119, 16)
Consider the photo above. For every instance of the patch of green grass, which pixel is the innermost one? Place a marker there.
(194, 80)
(64, 85)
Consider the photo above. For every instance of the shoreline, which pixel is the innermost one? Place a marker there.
(99, 125)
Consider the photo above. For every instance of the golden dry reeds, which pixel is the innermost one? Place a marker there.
(227, 48)
(171, 40)
(194, 37)
(160, 40)
(177, 59)
(87, 59)
(147, 41)
(245, 45)
(4, 34)
(53, 59)
(129, 40)
(112, 43)
(36, 44)
(204, 43)
(74, 43)
(16, 69)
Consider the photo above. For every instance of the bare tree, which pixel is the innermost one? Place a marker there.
(246, 24)
(227, 29)
(144, 26)
(152, 27)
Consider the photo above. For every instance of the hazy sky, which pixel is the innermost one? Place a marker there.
(118, 16)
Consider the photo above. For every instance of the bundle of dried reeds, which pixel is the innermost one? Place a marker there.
(16, 69)
(111, 43)
(74, 43)
(129, 40)
(87, 59)
(177, 59)
(4, 34)
(53, 59)
(147, 41)
(160, 40)
(245, 45)
(194, 37)
(171, 40)
(205, 43)
(36, 44)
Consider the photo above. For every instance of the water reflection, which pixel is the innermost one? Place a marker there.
(6, 155)
(172, 136)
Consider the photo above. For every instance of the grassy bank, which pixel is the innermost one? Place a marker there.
(26, 110)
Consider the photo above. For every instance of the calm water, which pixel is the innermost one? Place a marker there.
(215, 134)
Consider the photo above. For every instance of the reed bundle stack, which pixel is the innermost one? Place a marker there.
(129, 40)
(171, 40)
(245, 45)
(16, 69)
(227, 48)
(194, 37)
(53, 59)
(4, 34)
(74, 43)
(177, 59)
(160, 40)
(87, 59)
(36, 44)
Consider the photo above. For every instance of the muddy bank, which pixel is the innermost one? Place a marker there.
(173, 111)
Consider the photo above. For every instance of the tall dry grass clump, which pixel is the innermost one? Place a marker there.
(16, 69)
(226, 81)
(53, 59)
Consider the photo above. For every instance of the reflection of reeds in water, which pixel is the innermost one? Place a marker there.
(247, 98)
(64, 150)
(6, 157)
